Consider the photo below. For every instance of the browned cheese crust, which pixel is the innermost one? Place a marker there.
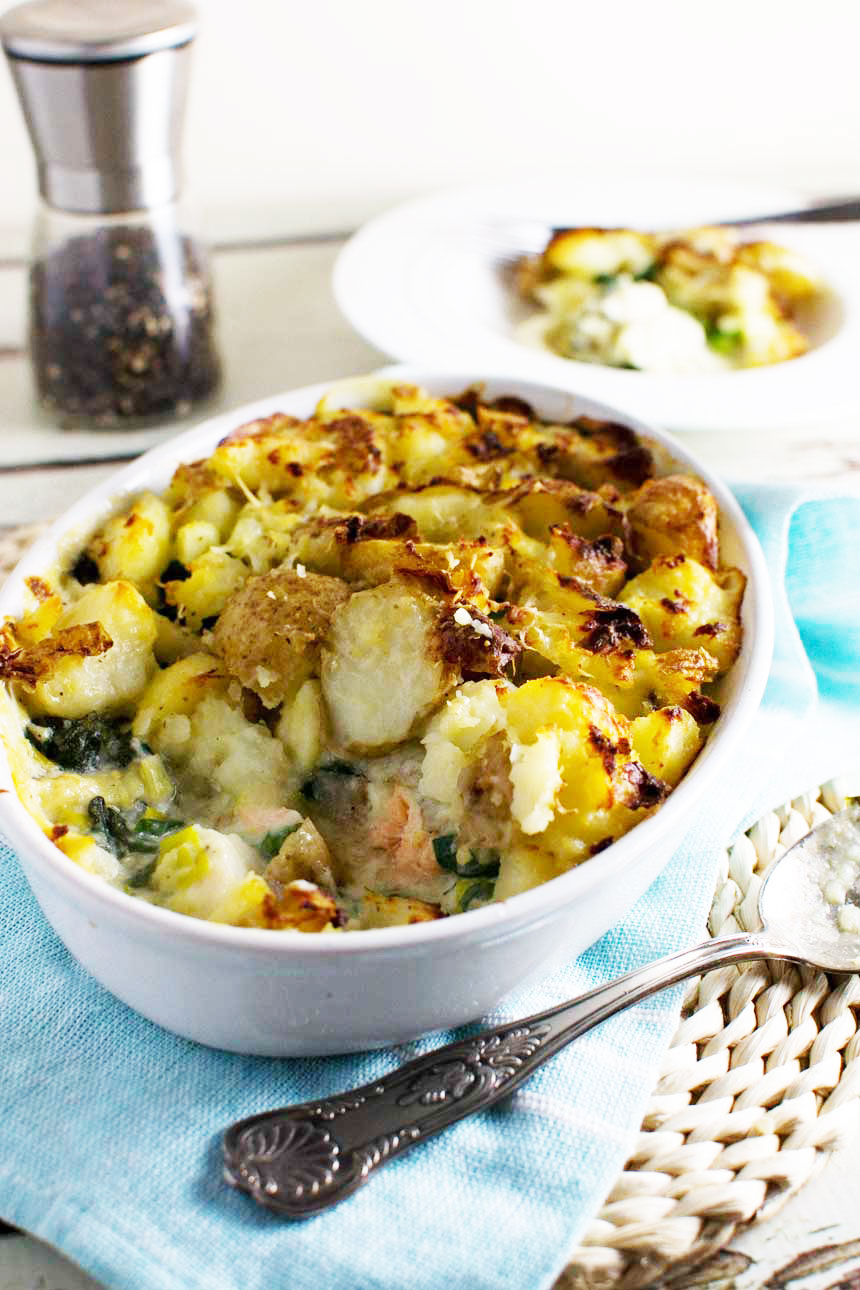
(270, 632)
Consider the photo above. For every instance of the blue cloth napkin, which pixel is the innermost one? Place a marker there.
(110, 1128)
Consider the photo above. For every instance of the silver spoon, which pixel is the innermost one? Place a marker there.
(301, 1159)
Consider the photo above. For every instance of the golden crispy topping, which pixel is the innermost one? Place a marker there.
(28, 664)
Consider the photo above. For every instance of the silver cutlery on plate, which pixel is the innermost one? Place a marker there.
(511, 239)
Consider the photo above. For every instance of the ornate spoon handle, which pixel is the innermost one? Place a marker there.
(303, 1158)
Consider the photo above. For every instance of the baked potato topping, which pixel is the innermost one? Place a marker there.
(376, 667)
(698, 301)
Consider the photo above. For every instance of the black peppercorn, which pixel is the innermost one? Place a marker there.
(122, 326)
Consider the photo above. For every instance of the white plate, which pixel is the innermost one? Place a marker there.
(420, 283)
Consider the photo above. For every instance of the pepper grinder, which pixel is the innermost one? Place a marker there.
(121, 314)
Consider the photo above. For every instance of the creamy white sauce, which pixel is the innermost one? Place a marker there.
(628, 324)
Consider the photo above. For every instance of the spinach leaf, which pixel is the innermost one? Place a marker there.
(483, 862)
(271, 844)
(147, 833)
(107, 822)
(445, 851)
(724, 342)
(83, 744)
(605, 279)
(118, 836)
(649, 274)
(141, 877)
(481, 889)
(322, 784)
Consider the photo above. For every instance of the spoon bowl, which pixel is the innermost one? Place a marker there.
(809, 902)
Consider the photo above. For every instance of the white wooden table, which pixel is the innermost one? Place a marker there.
(280, 328)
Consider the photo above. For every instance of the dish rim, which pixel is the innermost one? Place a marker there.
(152, 469)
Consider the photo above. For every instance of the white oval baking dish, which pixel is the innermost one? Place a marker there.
(287, 993)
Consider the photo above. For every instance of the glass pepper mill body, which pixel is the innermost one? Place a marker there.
(121, 311)
(121, 318)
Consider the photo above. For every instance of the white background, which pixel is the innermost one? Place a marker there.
(308, 116)
(311, 116)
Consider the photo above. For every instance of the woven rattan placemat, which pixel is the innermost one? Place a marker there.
(761, 1081)
(759, 1085)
